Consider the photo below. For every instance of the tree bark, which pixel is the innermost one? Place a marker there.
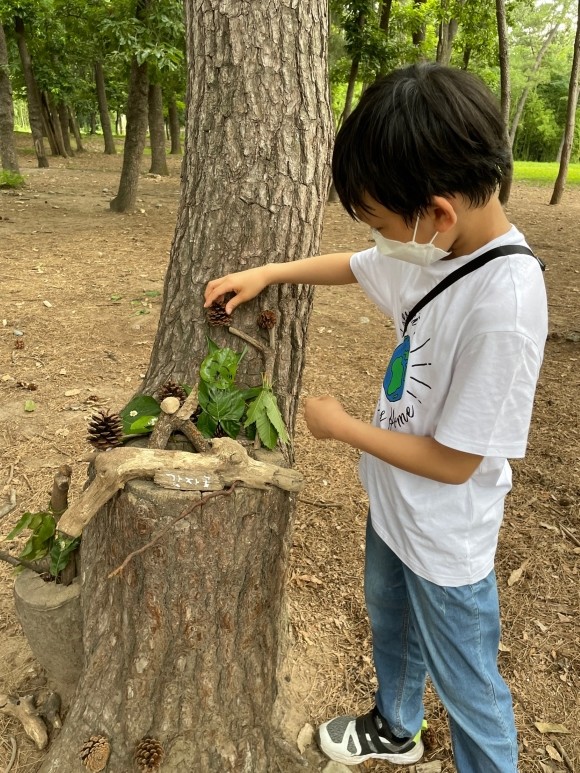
(255, 179)
(63, 119)
(447, 32)
(183, 645)
(570, 119)
(74, 125)
(504, 69)
(384, 22)
(135, 138)
(418, 34)
(8, 155)
(157, 131)
(52, 125)
(110, 148)
(174, 128)
(32, 94)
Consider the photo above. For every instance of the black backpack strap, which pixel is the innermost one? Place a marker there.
(467, 268)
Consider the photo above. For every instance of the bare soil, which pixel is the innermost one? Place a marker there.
(84, 287)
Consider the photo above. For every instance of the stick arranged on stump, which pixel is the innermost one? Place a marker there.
(176, 419)
(226, 460)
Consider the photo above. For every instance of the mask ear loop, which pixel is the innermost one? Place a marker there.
(416, 227)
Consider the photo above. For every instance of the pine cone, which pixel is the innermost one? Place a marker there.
(266, 319)
(105, 430)
(196, 414)
(95, 753)
(148, 754)
(217, 315)
(19, 343)
(171, 389)
(220, 431)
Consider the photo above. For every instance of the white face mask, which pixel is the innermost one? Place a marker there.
(410, 252)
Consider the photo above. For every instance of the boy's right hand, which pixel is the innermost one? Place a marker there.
(244, 284)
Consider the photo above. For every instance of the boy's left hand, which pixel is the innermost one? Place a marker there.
(324, 417)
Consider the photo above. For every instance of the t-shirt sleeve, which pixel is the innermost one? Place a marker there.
(377, 277)
(488, 407)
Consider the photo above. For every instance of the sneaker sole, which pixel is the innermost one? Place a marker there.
(407, 758)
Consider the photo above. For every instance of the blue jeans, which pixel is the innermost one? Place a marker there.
(452, 634)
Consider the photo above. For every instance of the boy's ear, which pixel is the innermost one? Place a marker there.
(442, 213)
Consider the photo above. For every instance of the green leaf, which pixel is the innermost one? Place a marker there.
(20, 526)
(29, 406)
(275, 416)
(46, 530)
(219, 368)
(60, 553)
(145, 408)
(116, 297)
(226, 405)
(266, 431)
(206, 424)
(232, 428)
(211, 345)
(152, 293)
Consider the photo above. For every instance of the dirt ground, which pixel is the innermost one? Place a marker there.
(83, 286)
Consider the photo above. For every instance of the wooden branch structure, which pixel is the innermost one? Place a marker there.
(173, 418)
(24, 710)
(226, 462)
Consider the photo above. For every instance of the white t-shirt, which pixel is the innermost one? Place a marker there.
(466, 376)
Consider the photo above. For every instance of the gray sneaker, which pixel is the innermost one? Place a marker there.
(352, 740)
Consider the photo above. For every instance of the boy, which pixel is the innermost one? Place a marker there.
(420, 160)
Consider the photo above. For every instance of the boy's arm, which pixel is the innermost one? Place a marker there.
(424, 456)
(331, 269)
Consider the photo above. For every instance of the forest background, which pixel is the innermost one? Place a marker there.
(77, 78)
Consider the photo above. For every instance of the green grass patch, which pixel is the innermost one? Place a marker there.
(544, 172)
(11, 179)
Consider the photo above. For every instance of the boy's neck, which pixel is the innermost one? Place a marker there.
(477, 226)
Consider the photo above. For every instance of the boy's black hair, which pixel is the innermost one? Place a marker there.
(422, 131)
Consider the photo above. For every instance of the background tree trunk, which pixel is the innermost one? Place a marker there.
(32, 94)
(504, 69)
(157, 131)
(135, 138)
(570, 119)
(526, 90)
(52, 125)
(110, 148)
(63, 118)
(447, 32)
(8, 155)
(74, 125)
(174, 128)
(255, 180)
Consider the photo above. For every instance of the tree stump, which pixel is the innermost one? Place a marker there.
(183, 645)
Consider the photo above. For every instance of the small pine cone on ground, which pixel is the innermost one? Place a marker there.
(95, 753)
(196, 414)
(148, 755)
(171, 389)
(266, 319)
(19, 343)
(105, 430)
(217, 315)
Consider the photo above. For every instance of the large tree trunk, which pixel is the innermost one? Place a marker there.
(8, 156)
(570, 119)
(157, 131)
(174, 128)
(447, 33)
(135, 138)
(110, 148)
(418, 35)
(183, 645)
(255, 178)
(504, 69)
(32, 94)
(52, 125)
